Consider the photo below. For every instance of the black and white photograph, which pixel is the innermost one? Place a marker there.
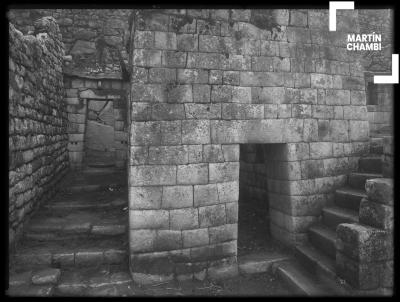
(201, 151)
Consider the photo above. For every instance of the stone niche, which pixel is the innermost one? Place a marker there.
(205, 81)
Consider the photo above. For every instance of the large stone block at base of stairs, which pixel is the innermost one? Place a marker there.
(362, 276)
(375, 214)
(364, 243)
(148, 279)
(380, 190)
(46, 276)
(223, 272)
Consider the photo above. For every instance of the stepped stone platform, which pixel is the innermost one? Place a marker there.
(312, 272)
(77, 243)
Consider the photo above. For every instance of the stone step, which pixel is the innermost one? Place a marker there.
(333, 216)
(99, 281)
(73, 223)
(104, 280)
(321, 266)
(100, 165)
(370, 164)
(349, 198)
(299, 279)
(323, 238)
(82, 204)
(81, 181)
(315, 261)
(73, 252)
(357, 180)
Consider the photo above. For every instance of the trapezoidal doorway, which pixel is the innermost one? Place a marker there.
(254, 233)
(100, 133)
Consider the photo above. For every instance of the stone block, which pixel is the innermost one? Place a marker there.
(162, 75)
(360, 275)
(192, 76)
(141, 240)
(205, 195)
(228, 191)
(196, 132)
(46, 276)
(231, 212)
(187, 42)
(149, 279)
(192, 174)
(202, 94)
(165, 40)
(242, 111)
(376, 214)
(215, 77)
(320, 150)
(261, 78)
(171, 133)
(226, 232)
(148, 219)
(176, 197)
(168, 240)
(358, 130)
(223, 172)
(364, 243)
(193, 238)
(380, 190)
(212, 215)
(231, 78)
(147, 57)
(152, 175)
(88, 258)
(168, 155)
(174, 59)
(139, 155)
(203, 111)
(145, 133)
(221, 93)
(184, 219)
(195, 153)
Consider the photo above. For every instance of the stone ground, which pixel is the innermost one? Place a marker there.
(264, 284)
(92, 200)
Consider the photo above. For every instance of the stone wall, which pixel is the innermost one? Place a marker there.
(95, 38)
(364, 250)
(38, 137)
(205, 81)
(380, 96)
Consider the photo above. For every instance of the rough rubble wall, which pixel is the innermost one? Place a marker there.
(95, 38)
(205, 81)
(38, 139)
(380, 21)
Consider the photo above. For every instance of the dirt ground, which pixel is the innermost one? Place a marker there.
(253, 229)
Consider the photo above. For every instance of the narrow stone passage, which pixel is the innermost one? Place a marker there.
(77, 244)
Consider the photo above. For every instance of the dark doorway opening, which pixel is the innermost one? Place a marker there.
(253, 229)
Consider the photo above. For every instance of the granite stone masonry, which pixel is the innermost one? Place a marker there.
(203, 108)
(205, 81)
(364, 251)
(38, 139)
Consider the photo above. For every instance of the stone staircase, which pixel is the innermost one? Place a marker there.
(77, 244)
(313, 270)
